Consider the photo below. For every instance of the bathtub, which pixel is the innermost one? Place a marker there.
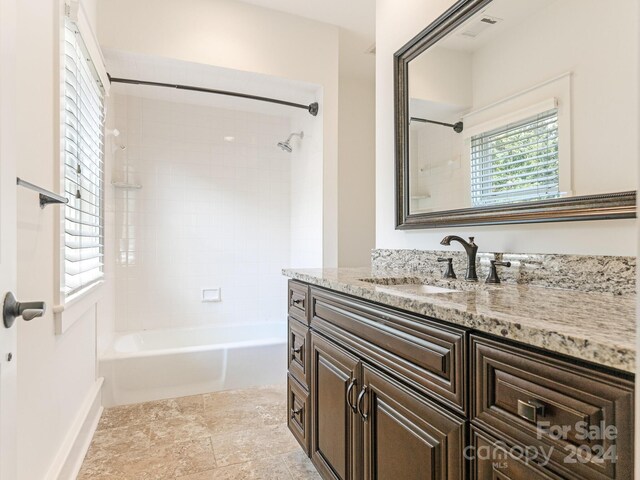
(157, 364)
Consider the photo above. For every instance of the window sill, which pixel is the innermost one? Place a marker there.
(74, 307)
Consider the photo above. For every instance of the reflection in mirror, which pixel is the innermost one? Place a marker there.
(526, 100)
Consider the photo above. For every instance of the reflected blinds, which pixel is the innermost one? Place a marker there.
(83, 137)
(517, 162)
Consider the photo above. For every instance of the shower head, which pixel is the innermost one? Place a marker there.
(286, 145)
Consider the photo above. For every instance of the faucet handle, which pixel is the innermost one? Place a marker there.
(493, 271)
(449, 273)
(471, 239)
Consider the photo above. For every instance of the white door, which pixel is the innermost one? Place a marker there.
(8, 228)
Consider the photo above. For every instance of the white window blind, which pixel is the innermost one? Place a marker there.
(83, 137)
(517, 162)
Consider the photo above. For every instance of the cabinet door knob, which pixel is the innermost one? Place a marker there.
(296, 411)
(298, 302)
(531, 410)
(363, 392)
(349, 389)
(297, 349)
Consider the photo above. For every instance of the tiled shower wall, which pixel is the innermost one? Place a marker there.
(214, 211)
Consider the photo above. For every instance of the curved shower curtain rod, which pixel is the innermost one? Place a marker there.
(311, 108)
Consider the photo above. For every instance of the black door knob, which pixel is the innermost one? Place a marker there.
(13, 309)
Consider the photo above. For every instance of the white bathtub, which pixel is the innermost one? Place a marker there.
(157, 364)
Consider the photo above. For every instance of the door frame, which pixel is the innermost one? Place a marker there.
(8, 238)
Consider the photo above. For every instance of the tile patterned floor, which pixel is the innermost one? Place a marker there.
(234, 435)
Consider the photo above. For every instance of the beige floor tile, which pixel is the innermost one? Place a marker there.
(119, 440)
(245, 416)
(193, 456)
(300, 466)
(139, 414)
(231, 399)
(122, 416)
(191, 405)
(178, 429)
(265, 469)
(101, 468)
(240, 434)
(251, 444)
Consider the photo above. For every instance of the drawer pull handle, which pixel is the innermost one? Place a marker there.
(349, 389)
(359, 403)
(531, 410)
(298, 302)
(296, 411)
(297, 350)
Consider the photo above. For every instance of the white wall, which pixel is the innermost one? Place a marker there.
(442, 76)
(55, 372)
(242, 37)
(396, 26)
(306, 191)
(211, 213)
(356, 172)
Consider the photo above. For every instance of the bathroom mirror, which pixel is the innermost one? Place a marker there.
(518, 111)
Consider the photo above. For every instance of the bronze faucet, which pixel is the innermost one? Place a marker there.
(471, 249)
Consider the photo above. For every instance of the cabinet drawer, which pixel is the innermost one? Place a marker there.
(491, 460)
(583, 417)
(427, 355)
(298, 412)
(298, 356)
(298, 298)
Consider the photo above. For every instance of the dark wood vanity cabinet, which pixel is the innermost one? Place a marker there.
(368, 425)
(377, 393)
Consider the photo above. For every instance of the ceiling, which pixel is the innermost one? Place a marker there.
(358, 16)
(356, 20)
(510, 13)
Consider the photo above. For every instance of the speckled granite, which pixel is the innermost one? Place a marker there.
(591, 326)
(585, 273)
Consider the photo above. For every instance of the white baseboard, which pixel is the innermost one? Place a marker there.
(69, 459)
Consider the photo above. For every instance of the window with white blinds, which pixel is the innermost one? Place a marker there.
(83, 156)
(517, 162)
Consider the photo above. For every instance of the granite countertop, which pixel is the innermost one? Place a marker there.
(591, 326)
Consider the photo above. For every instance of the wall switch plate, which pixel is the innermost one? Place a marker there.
(211, 294)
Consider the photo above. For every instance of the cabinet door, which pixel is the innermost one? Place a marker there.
(335, 425)
(406, 436)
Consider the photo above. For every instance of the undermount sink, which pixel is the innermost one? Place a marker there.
(417, 286)
(414, 289)
(412, 285)
(422, 289)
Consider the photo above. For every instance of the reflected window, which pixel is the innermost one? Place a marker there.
(517, 162)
